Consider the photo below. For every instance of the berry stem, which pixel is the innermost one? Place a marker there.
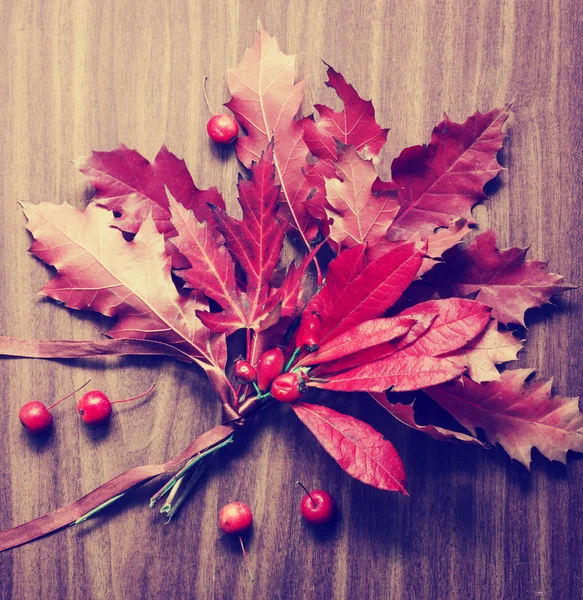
(310, 495)
(206, 97)
(246, 558)
(135, 397)
(154, 499)
(292, 359)
(68, 395)
(98, 509)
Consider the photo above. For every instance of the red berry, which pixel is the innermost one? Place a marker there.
(269, 367)
(94, 407)
(289, 387)
(235, 517)
(35, 416)
(308, 334)
(244, 371)
(222, 129)
(318, 507)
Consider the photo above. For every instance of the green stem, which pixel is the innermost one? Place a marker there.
(154, 499)
(292, 359)
(98, 509)
(190, 485)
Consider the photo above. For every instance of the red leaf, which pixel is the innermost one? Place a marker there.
(355, 125)
(358, 215)
(401, 373)
(265, 101)
(366, 335)
(517, 415)
(492, 347)
(98, 270)
(442, 181)
(360, 450)
(67, 515)
(255, 242)
(354, 293)
(503, 280)
(406, 415)
(127, 183)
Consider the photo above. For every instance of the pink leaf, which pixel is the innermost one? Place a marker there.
(517, 415)
(358, 215)
(360, 450)
(503, 280)
(492, 347)
(355, 125)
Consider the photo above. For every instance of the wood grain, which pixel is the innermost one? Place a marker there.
(81, 75)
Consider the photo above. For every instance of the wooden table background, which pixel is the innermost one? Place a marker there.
(81, 75)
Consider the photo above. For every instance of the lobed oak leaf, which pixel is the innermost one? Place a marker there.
(128, 184)
(358, 448)
(98, 270)
(492, 347)
(357, 215)
(517, 414)
(405, 414)
(503, 280)
(355, 125)
(265, 100)
(442, 181)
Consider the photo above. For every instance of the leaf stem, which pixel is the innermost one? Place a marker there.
(194, 460)
(187, 490)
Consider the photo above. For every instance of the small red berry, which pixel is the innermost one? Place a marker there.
(244, 371)
(235, 517)
(308, 334)
(222, 129)
(94, 407)
(269, 367)
(35, 416)
(318, 507)
(289, 387)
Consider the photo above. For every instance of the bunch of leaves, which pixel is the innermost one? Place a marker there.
(180, 275)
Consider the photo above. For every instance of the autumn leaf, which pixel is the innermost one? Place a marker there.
(492, 347)
(360, 450)
(265, 100)
(355, 125)
(440, 182)
(358, 216)
(255, 242)
(516, 414)
(503, 280)
(412, 366)
(98, 270)
(405, 414)
(128, 184)
(355, 293)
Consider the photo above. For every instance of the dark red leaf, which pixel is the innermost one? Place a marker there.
(441, 182)
(127, 183)
(406, 415)
(360, 450)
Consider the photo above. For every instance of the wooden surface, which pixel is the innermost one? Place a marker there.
(81, 75)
